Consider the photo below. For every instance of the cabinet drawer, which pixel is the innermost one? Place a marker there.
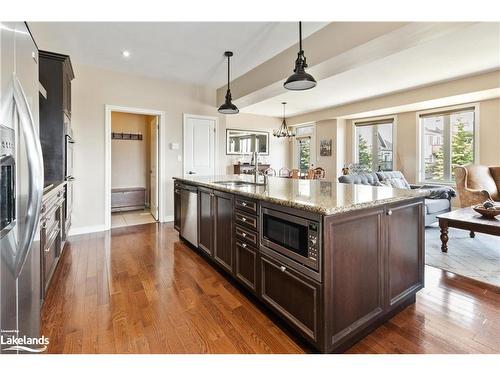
(291, 295)
(247, 235)
(245, 219)
(245, 204)
(246, 265)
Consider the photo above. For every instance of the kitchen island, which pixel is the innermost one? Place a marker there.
(334, 261)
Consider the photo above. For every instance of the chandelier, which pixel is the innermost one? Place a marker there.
(284, 130)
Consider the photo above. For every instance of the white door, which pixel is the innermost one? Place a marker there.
(153, 173)
(199, 145)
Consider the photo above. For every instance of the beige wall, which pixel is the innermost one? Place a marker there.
(130, 158)
(93, 88)
(278, 147)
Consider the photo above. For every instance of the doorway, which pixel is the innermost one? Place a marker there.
(200, 145)
(133, 166)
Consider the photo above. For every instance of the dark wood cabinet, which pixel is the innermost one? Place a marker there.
(354, 271)
(292, 296)
(246, 266)
(177, 207)
(55, 75)
(371, 264)
(223, 229)
(52, 237)
(405, 261)
(206, 220)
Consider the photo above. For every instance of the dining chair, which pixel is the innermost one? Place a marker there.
(310, 174)
(270, 172)
(295, 174)
(319, 173)
(284, 172)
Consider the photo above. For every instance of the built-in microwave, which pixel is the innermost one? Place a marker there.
(297, 238)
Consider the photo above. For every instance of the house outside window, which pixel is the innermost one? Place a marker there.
(447, 141)
(374, 147)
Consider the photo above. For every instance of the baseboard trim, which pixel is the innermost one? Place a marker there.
(85, 230)
(168, 219)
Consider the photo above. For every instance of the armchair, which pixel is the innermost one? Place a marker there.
(477, 183)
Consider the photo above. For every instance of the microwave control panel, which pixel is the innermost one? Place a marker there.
(313, 241)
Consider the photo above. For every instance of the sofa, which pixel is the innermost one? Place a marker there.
(477, 183)
(437, 201)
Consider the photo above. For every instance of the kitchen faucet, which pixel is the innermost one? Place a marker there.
(256, 170)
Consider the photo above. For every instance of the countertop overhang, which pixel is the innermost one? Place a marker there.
(324, 197)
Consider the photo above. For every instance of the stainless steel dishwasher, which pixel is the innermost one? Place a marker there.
(189, 213)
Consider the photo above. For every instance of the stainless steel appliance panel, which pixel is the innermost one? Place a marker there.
(20, 260)
(189, 214)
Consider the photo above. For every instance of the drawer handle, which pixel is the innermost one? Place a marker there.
(243, 245)
(283, 268)
(44, 225)
(244, 204)
(243, 219)
(389, 212)
(243, 234)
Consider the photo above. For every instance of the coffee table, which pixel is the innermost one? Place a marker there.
(467, 219)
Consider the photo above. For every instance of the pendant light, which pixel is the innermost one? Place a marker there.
(284, 130)
(228, 108)
(300, 80)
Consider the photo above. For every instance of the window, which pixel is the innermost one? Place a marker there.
(374, 146)
(447, 140)
(304, 147)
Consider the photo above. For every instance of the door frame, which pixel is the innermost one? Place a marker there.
(185, 116)
(108, 109)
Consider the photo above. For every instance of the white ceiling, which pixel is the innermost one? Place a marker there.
(178, 51)
(464, 50)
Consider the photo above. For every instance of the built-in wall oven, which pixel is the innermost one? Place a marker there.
(295, 237)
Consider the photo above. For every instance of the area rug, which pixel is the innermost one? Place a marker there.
(477, 258)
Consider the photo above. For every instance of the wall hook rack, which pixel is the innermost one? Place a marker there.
(127, 136)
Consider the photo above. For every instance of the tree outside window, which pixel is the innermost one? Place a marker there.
(448, 142)
(380, 156)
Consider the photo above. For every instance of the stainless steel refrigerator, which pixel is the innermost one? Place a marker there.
(21, 188)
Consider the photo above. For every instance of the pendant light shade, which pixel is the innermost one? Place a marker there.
(284, 130)
(228, 108)
(300, 80)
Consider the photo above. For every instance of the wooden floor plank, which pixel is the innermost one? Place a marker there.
(140, 290)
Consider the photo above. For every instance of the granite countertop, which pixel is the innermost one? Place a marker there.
(324, 197)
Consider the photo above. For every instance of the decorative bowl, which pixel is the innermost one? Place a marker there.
(489, 213)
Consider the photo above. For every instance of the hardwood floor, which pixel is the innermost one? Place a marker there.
(139, 290)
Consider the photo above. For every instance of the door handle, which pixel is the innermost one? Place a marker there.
(35, 173)
(191, 172)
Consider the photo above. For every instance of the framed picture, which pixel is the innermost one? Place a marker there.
(325, 147)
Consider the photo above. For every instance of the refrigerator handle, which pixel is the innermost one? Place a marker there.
(35, 172)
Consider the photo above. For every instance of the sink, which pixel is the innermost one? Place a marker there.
(236, 183)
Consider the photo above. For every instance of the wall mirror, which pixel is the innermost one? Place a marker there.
(240, 142)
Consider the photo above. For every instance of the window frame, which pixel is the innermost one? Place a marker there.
(366, 121)
(420, 167)
(312, 137)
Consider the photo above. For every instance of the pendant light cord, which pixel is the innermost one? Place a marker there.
(228, 69)
(300, 36)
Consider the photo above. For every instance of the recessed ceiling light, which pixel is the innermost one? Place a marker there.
(126, 53)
